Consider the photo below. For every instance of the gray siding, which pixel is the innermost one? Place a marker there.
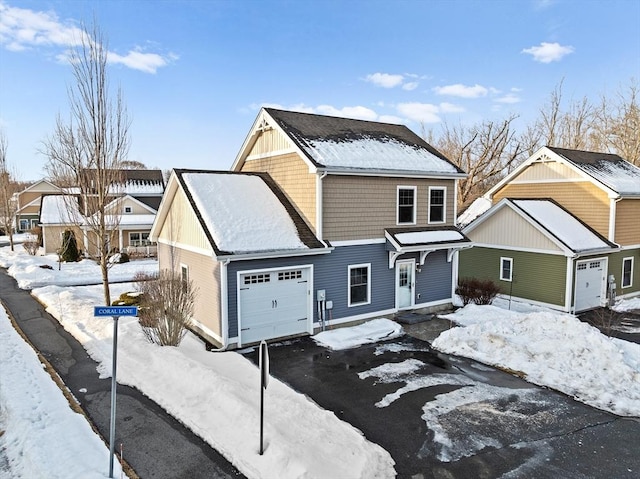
(433, 283)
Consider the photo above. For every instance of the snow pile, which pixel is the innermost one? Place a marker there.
(551, 349)
(34, 271)
(631, 304)
(369, 332)
(42, 436)
(315, 444)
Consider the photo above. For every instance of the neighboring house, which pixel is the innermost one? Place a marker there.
(131, 213)
(563, 231)
(323, 220)
(28, 204)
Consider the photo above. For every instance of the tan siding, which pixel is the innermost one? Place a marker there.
(546, 171)
(628, 222)
(291, 173)
(204, 272)
(52, 237)
(137, 208)
(583, 199)
(31, 210)
(358, 207)
(507, 228)
(268, 141)
(182, 226)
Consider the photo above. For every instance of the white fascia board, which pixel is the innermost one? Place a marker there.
(274, 254)
(360, 242)
(390, 173)
(186, 247)
(165, 203)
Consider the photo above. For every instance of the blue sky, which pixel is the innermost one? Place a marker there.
(195, 73)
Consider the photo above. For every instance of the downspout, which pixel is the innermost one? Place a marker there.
(569, 286)
(224, 307)
(612, 218)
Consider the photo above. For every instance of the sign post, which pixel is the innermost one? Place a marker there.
(115, 312)
(264, 382)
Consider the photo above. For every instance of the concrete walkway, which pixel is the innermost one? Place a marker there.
(155, 445)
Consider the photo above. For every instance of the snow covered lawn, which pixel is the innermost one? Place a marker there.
(301, 440)
(42, 436)
(550, 349)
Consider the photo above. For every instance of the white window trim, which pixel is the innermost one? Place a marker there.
(353, 266)
(444, 205)
(415, 204)
(139, 233)
(510, 260)
(630, 258)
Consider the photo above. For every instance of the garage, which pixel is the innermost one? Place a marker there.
(590, 281)
(274, 303)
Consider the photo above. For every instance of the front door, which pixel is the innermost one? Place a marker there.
(405, 283)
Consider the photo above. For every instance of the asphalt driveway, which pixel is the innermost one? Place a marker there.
(446, 417)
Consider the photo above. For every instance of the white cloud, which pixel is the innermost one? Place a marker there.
(357, 112)
(22, 29)
(396, 120)
(509, 98)
(410, 86)
(450, 108)
(385, 80)
(462, 91)
(420, 112)
(548, 52)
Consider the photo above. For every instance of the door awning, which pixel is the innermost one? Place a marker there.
(424, 241)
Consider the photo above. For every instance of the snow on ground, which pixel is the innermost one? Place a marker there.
(42, 436)
(551, 349)
(369, 332)
(314, 445)
(631, 304)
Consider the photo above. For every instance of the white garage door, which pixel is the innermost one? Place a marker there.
(590, 277)
(273, 304)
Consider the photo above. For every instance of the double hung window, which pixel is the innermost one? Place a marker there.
(627, 272)
(406, 205)
(437, 203)
(506, 269)
(359, 284)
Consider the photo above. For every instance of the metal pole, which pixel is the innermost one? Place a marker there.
(112, 427)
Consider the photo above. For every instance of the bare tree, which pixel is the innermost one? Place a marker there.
(90, 147)
(485, 151)
(8, 187)
(618, 126)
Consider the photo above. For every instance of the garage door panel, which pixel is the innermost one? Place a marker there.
(590, 276)
(274, 304)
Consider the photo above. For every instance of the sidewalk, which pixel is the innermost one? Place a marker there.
(155, 445)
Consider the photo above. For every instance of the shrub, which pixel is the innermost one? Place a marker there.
(131, 298)
(31, 245)
(69, 250)
(166, 307)
(124, 258)
(477, 291)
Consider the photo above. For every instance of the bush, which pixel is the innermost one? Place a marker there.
(132, 298)
(69, 251)
(166, 307)
(477, 291)
(31, 245)
(124, 258)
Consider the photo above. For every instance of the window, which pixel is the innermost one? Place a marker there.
(437, 205)
(359, 284)
(257, 278)
(289, 275)
(627, 272)
(137, 238)
(406, 205)
(128, 209)
(24, 225)
(506, 269)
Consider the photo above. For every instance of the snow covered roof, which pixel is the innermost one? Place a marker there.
(60, 209)
(475, 209)
(609, 169)
(418, 239)
(561, 224)
(134, 182)
(346, 144)
(243, 213)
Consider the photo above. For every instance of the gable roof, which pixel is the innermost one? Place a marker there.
(60, 210)
(554, 221)
(609, 169)
(244, 212)
(135, 182)
(610, 172)
(335, 144)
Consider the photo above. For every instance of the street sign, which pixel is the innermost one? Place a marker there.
(115, 311)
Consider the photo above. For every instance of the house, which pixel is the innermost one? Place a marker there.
(28, 204)
(321, 221)
(131, 212)
(563, 231)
